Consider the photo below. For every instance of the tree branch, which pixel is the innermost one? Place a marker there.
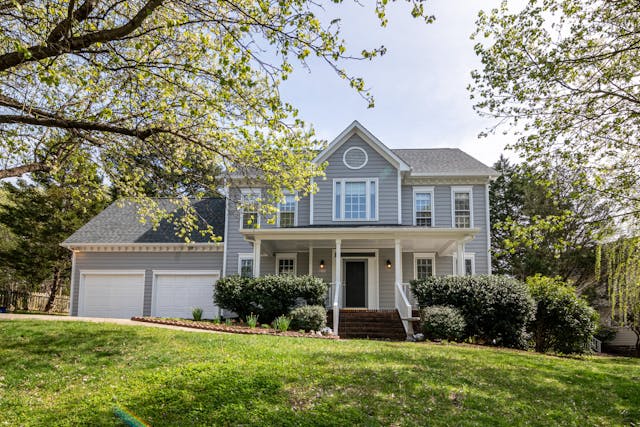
(23, 169)
(63, 29)
(37, 53)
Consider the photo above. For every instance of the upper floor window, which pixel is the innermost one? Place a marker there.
(250, 217)
(462, 213)
(287, 211)
(424, 266)
(355, 199)
(423, 206)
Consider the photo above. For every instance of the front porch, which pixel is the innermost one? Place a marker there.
(367, 267)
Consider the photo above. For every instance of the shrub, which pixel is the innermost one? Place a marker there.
(281, 323)
(197, 313)
(440, 322)
(309, 317)
(564, 322)
(496, 308)
(267, 296)
(252, 320)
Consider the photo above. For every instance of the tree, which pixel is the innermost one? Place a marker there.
(40, 216)
(192, 85)
(542, 225)
(563, 75)
(619, 262)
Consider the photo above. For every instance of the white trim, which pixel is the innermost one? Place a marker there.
(373, 275)
(245, 192)
(424, 255)
(226, 235)
(145, 247)
(467, 255)
(243, 256)
(311, 204)
(310, 271)
(356, 128)
(430, 191)
(367, 188)
(111, 272)
(399, 198)
(461, 189)
(286, 255)
(488, 225)
(344, 158)
(73, 282)
(154, 282)
(295, 208)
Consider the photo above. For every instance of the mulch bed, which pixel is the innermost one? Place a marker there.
(234, 329)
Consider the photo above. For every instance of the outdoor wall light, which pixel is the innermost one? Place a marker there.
(388, 263)
(321, 264)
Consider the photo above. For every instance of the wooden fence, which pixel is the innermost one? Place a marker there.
(32, 301)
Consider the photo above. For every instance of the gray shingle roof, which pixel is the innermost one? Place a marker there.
(120, 223)
(443, 162)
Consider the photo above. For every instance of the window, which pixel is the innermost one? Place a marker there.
(461, 202)
(423, 206)
(245, 265)
(469, 264)
(286, 263)
(250, 217)
(287, 211)
(355, 200)
(424, 266)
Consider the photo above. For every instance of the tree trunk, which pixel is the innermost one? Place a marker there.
(637, 332)
(54, 289)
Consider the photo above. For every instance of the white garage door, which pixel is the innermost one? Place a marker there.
(111, 295)
(177, 294)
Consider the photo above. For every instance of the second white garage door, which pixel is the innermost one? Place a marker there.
(176, 294)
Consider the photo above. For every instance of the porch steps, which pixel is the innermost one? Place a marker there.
(369, 324)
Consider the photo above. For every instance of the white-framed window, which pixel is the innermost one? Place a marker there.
(424, 265)
(288, 211)
(461, 207)
(249, 217)
(423, 206)
(245, 265)
(355, 199)
(286, 263)
(469, 264)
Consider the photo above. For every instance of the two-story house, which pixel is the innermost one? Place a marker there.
(380, 218)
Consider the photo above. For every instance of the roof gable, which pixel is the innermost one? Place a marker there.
(369, 138)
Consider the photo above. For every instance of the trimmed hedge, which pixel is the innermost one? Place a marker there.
(442, 323)
(268, 296)
(564, 322)
(496, 308)
(308, 317)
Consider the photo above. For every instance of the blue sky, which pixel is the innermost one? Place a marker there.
(420, 85)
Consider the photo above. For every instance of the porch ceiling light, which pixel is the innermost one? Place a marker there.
(388, 263)
(321, 264)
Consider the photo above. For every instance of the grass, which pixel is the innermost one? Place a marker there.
(75, 373)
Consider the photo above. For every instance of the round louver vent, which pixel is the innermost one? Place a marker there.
(355, 158)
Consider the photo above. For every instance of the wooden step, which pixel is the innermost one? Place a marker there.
(369, 324)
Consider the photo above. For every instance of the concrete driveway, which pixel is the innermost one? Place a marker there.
(128, 322)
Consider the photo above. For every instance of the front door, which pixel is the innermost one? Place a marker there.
(355, 282)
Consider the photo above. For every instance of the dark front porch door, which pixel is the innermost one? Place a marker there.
(355, 282)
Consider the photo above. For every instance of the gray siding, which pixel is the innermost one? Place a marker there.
(303, 211)
(479, 245)
(147, 261)
(441, 205)
(386, 284)
(235, 242)
(377, 167)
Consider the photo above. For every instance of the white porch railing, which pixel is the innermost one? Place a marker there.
(404, 309)
(406, 287)
(336, 307)
(596, 345)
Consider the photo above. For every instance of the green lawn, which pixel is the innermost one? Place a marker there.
(73, 373)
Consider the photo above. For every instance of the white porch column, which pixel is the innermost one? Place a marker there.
(338, 278)
(256, 257)
(460, 259)
(310, 260)
(398, 265)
